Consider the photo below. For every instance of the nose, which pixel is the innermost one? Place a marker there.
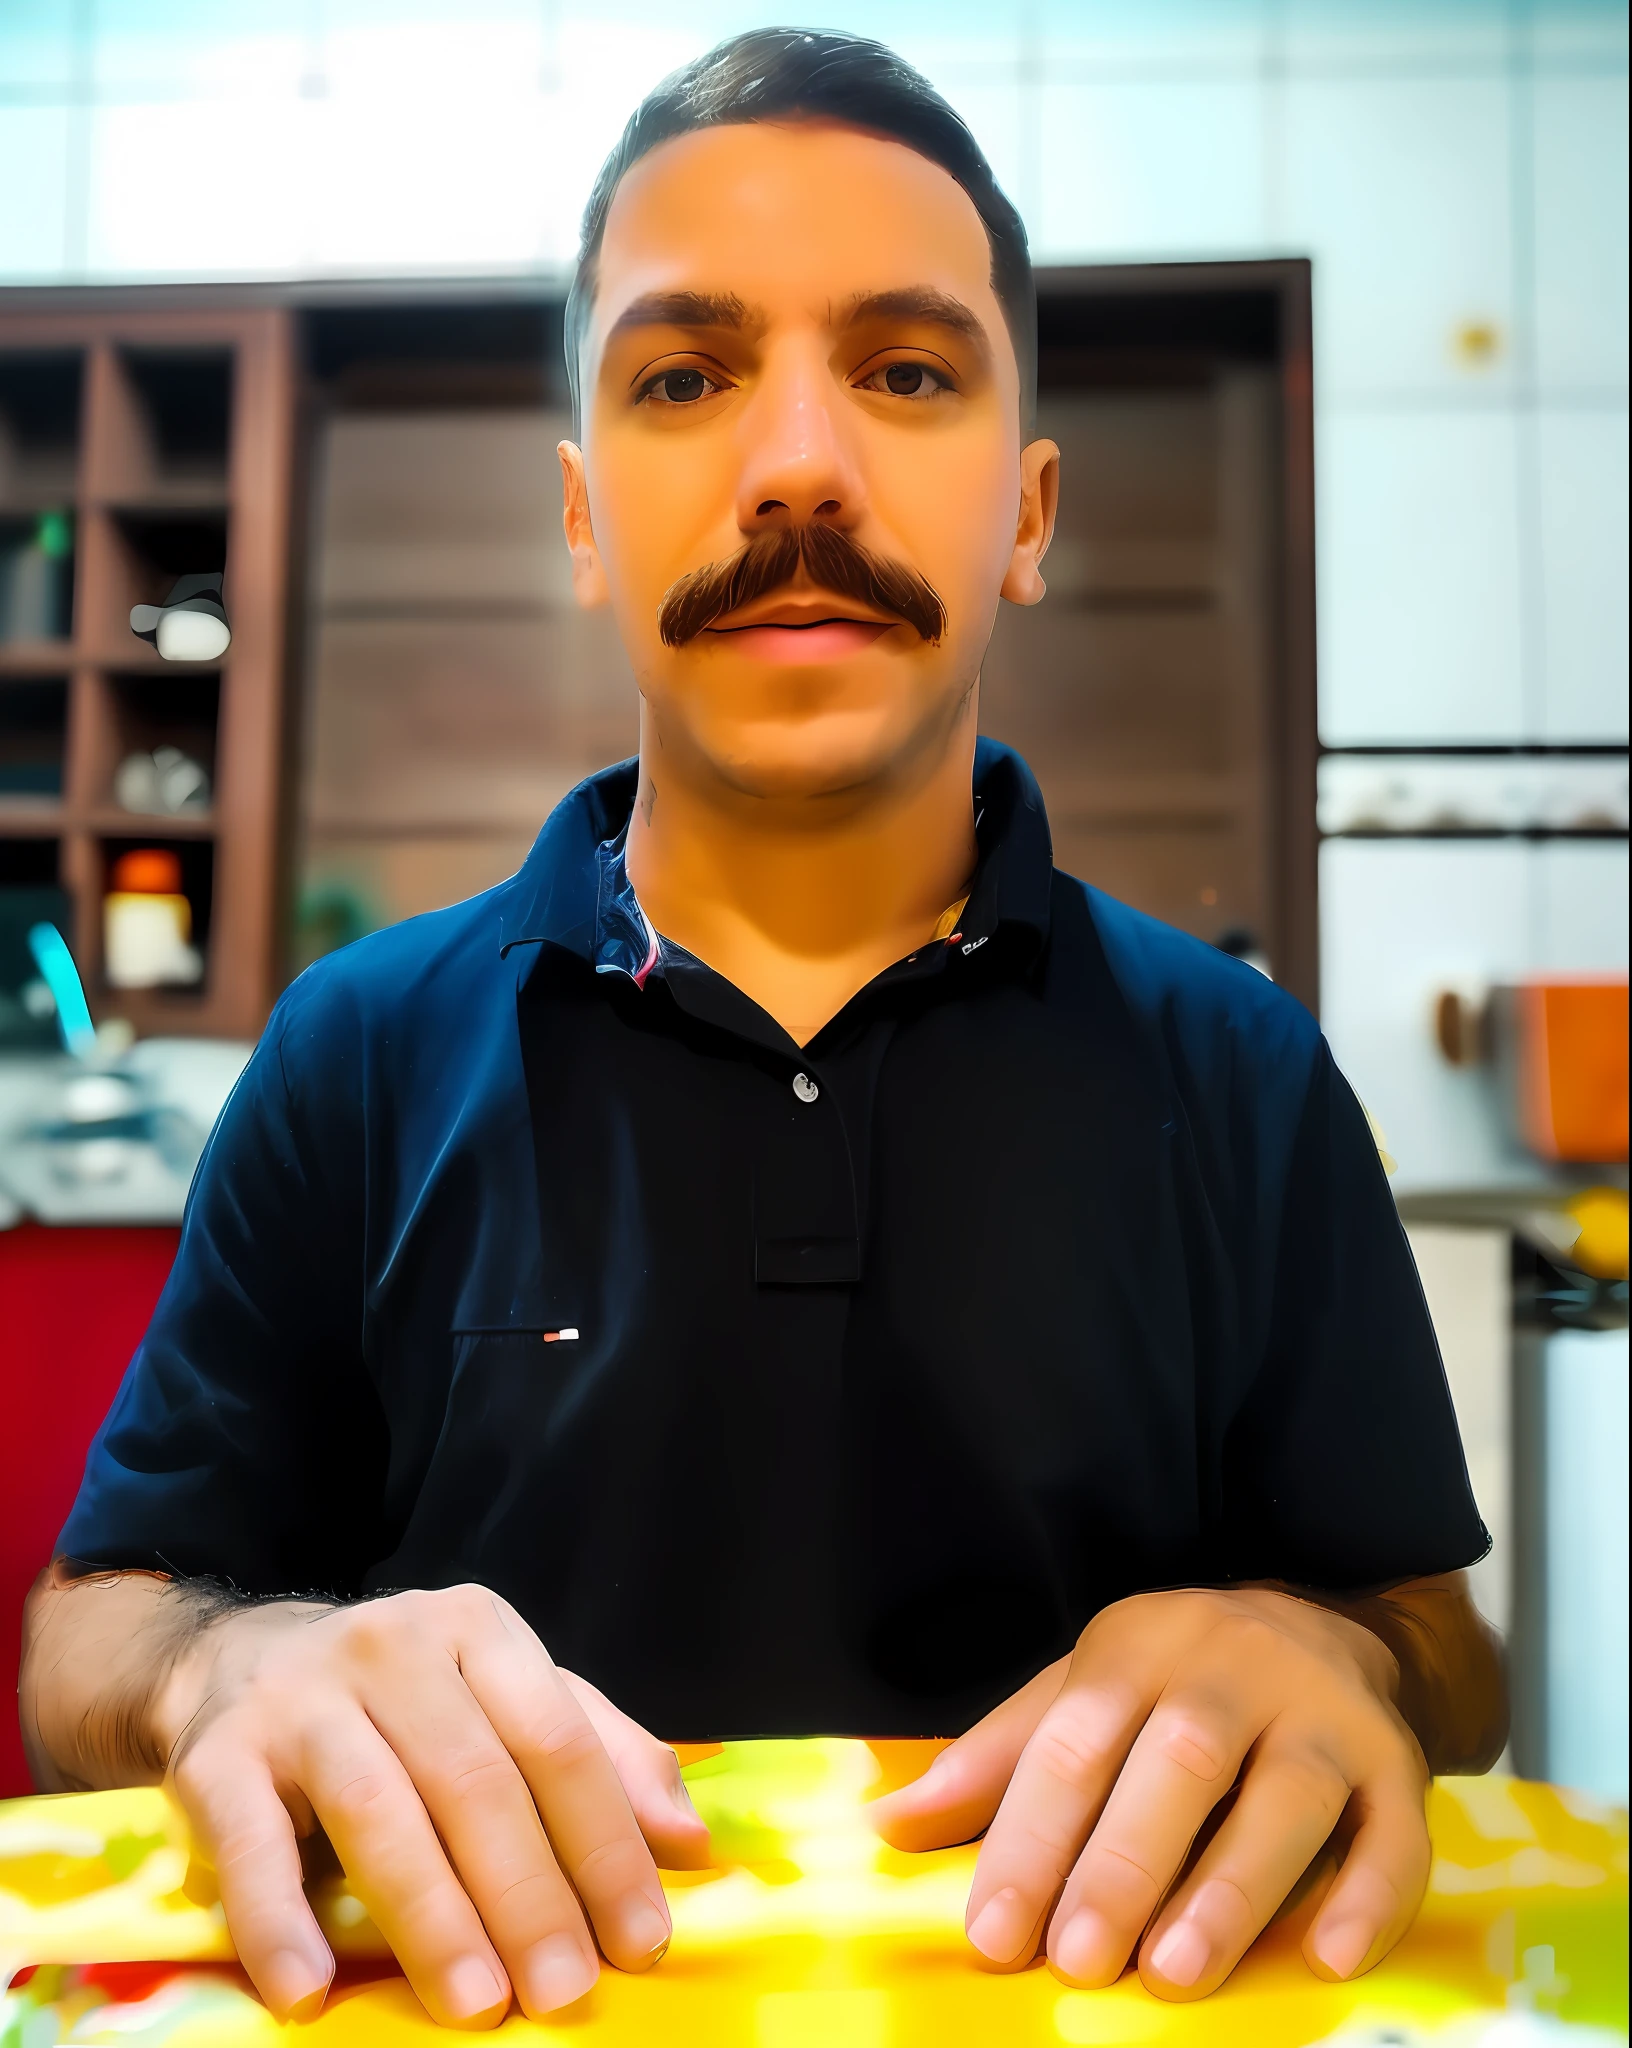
(797, 463)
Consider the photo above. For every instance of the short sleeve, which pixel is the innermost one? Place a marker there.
(246, 1440)
(1343, 1466)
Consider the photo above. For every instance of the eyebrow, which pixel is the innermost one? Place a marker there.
(726, 310)
(687, 309)
(918, 302)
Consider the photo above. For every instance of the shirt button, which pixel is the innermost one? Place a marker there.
(805, 1088)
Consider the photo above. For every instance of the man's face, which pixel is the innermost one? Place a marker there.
(795, 328)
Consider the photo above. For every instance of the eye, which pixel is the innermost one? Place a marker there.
(907, 380)
(680, 386)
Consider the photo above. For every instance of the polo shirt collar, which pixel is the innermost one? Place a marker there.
(573, 892)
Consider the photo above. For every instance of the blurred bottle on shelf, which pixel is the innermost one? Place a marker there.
(148, 924)
(36, 579)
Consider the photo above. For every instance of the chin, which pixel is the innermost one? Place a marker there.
(821, 756)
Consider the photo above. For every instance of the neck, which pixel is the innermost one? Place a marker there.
(802, 900)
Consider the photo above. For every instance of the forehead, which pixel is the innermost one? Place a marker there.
(790, 218)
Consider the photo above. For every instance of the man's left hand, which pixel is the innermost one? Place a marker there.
(1095, 1780)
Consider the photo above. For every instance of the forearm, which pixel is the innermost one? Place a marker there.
(1452, 1674)
(98, 1648)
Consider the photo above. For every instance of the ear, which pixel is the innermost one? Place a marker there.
(588, 576)
(1039, 501)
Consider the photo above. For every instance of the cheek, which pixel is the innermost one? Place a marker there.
(656, 514)
(953, 513)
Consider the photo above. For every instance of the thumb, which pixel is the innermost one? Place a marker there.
(957, 1796)
(650, 1773)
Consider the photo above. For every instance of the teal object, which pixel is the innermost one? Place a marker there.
(61, 977)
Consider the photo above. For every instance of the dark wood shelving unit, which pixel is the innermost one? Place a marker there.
(166, 436)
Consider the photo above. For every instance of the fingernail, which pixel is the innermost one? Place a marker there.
(1000, 1928)
(643, 1931)
(296, 1984)
(1182, 1954)
(1343, 1948)
(556, 1972)
(1085, 1949)
(471, 1987)
(680, 1798)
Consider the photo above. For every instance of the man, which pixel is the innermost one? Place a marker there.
(787, 1254)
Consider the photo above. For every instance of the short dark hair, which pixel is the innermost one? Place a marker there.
(782, 74)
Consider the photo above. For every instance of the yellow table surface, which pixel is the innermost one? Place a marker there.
(811, 1932)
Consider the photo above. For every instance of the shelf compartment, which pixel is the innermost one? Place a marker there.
(165, 425)
(31, 862)
(36, 576)
(40, 397)
(195, 856)
(144, 551)
(179, 707)
(33, 738)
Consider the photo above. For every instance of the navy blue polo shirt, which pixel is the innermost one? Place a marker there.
(787, 1389)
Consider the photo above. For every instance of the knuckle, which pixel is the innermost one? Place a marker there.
(1134, 1886)
(1069, 1745)
(566, 1740)
(482, 1774)
(356, 1800)
(614, 1865)
(375, 1627)
(469, 1604)
(1193, 1742)
(1317, 1783)
(1248, 1640)
(533, 1897)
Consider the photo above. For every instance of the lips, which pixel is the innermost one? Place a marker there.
(811, 640)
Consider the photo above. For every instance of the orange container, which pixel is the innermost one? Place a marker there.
(1569, 1068)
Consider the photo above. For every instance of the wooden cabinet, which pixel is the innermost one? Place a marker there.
(143, 438)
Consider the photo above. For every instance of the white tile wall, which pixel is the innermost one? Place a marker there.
(34, 164)
(1581, 233)
(1166, 36)
(1580, 908)
(1140, 167)
(1339, 33)
(1582, 514)
(36, 45)
(149, 212)
(1400, 920)
(1419, 577)
(1400, 189)
(1577, 31)
(198, 49)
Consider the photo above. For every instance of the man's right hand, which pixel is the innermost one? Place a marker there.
(497, 1816)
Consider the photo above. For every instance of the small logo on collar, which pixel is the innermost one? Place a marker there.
(969, 945)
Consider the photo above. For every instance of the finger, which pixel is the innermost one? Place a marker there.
(484, 1812)
(1059, 1785)
(1185, 1760)
(649, 1772)
(961, 1790)
(1375, 1895)
(244, 1830)
(591, 1824)
(387, 1847)
(1287, 1807)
